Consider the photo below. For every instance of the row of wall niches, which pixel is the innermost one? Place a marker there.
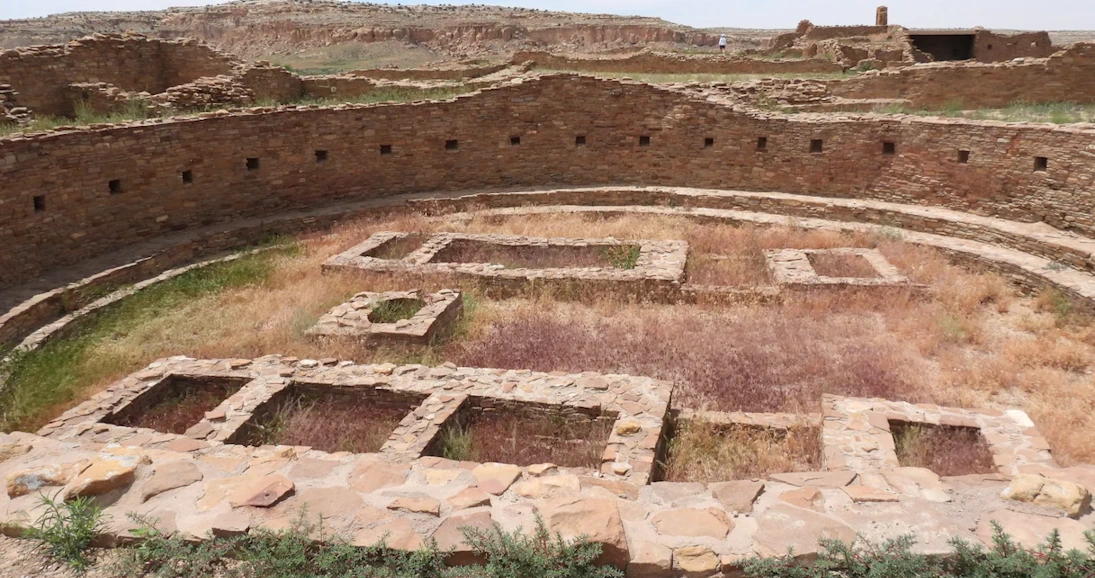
(762, 144)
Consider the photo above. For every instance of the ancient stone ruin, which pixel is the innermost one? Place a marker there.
(95, 215)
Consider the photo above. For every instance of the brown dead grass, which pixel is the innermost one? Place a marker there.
(525, 440)
(838, 265)
(945, 450)
(702, 451)
(971, 341)
(333, 423)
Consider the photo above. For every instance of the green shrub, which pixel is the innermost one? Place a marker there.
(539, 554)
(895, 558)
(66, 529)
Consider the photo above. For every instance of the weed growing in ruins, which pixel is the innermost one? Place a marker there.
(330, 423)
(896, 558)
(622, 256)
(456, 444)
(394, 310)
(66, 529)
(539, 553)
(55, 373)
(309, 549)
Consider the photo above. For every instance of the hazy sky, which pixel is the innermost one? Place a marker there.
(1016, 14)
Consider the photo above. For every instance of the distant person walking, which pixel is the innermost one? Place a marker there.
(722, 42)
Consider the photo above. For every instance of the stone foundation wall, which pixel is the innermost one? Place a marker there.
(106, 188)
(648, 62)
(41, 74)
(428, 73)
(1067, 76)
(991, 47)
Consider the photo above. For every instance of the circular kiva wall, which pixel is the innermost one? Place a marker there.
(73, 194)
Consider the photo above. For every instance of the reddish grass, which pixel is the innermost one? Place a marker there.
(182, 405)
(334, 423)
(945, 450)
(756, 360)
(525, 257)
(841, 265)
(525, 440)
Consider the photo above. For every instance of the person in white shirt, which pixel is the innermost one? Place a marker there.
(722, 42)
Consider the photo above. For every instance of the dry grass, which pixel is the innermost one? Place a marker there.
(945, 450)
(183, 406)
(331, 423)
(535, 257)
(838, 265)
(702, 451)
(526, 439)
(972, 341)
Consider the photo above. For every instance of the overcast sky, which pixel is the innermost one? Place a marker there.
(1013, 14)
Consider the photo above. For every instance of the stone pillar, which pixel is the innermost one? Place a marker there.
(882, 16)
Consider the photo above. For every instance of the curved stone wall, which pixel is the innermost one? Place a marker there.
(70, 195)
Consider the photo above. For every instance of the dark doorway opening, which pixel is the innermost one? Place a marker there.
(944, 46)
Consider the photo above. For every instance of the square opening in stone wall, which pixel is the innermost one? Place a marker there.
(702, 450)
(945, 450)
(644, 141)
(321, 156)
(762, 143)
(1041, 164)
(963, 156)
(452, 144)
(115, 186)
(538, 256)
(252, 164)
(708, 142)
(524, 433)
(514, 141)
(328, 418)
(579, 141)
(385, 149)
(844, 265)
(816, 145)
(187, 177)
(176, 403)
(39, 203)
(398, 247)
(889, 148)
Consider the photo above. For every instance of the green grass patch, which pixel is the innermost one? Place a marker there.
(57, 373)
(394, 310)
(1053, 112)
(622, 256)
(66, 529)
(660, 78)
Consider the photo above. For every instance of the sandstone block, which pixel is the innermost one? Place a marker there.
(168, 477)
(1064, 495)
(598, 519)
(711, 522)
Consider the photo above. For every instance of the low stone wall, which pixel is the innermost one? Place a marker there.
(666, 63)
(462, 73)
(1066, 76)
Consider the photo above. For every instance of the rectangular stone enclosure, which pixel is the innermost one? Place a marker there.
(798, 268)
(509, 263)
(399, 412)
(394, 316)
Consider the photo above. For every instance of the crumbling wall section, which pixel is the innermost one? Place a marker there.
(42, 74)
(666, 63)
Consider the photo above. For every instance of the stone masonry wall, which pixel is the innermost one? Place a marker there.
(991, 47)
(1067, 76)
(648, 62)
(41, 74)
(109, 187)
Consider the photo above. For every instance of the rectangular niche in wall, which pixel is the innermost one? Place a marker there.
(579, 141)
(176, 403)
(889, 148)
(187, 177)
(816, 145)
(762, 143)
(514, 140)
(452, 144)
(385, 149)
(708, 142)
(328, 418)
(39, 203)
(963, 156)
(321, 156)
(1041, 164)
(252, 163)
(644, 141)
(115, 186)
